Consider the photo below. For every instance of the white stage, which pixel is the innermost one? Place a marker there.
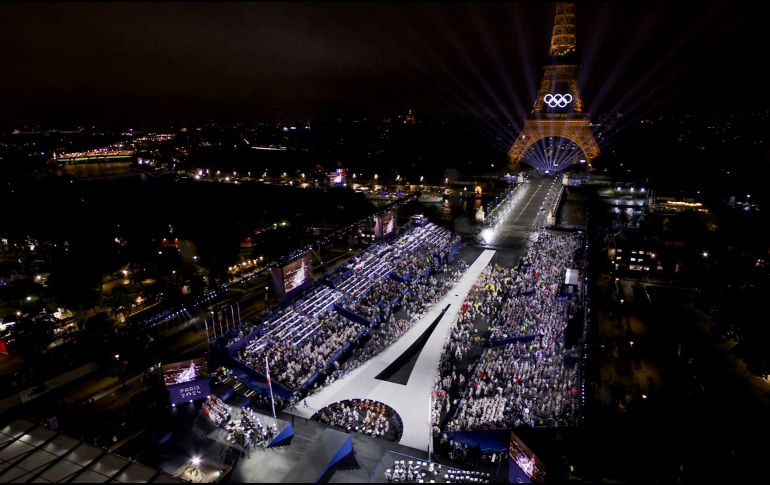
(410, 401)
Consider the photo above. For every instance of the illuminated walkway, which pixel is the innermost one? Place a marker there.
(410, 401)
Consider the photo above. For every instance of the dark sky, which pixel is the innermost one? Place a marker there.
(81, 63)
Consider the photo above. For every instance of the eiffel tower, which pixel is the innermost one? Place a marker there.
(558, 110)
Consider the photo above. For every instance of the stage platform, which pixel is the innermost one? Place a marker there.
(214, 433)
(410, 401)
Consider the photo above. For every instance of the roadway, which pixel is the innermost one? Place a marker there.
(512, 237)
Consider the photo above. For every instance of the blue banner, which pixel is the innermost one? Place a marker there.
(490, 440)
(189, 391)
(511, 340)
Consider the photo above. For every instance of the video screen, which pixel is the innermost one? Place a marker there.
(388, 223)
(526, 460)
(187, 371)
(296, 273)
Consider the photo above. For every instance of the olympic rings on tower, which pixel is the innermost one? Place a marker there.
(557, 100)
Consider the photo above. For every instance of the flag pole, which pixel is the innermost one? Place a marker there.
(270, 385)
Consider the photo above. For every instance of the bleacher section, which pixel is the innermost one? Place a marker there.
(419, 248)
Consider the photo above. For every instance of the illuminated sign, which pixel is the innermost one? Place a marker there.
(191, 391)
(557, 100)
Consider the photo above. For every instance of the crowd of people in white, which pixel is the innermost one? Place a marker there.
(429, 472)
(517, 382)
(248, 431)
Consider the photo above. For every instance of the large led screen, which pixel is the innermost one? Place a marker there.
(529, 463)
(296, 273)
(187, 371)
(388, 223)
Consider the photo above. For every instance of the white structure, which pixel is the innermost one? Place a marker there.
(412, 400)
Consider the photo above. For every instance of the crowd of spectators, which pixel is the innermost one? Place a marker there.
(293, 364)
(300, 344)
(424, 293)
(382, 293)
(524, 380)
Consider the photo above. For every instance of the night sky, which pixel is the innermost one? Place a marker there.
(129, 63)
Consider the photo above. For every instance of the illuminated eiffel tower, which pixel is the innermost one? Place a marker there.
(558, 110)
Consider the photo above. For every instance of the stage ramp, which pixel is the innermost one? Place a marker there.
(331, 447)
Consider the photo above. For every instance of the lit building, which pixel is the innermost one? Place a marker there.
(632, 251)
(409, 118)
(338, 178)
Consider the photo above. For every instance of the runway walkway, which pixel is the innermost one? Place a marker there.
(412, 400)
